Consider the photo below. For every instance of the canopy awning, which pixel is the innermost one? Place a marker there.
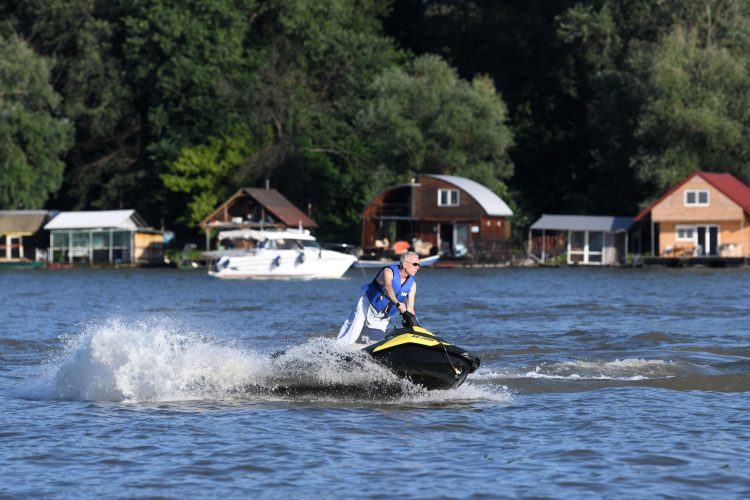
(252, 234)
(605, 223)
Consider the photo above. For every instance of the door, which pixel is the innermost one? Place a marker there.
(707, 240)
(454, 240)
(460, 240)
(445, 240)
(14, 247)
(713, 236)
(595, 247)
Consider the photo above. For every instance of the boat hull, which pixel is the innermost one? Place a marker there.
(280, 264)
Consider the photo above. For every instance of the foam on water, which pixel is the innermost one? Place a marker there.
(620, 369)
(158, 360)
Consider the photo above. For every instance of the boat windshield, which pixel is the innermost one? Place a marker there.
(288, 244)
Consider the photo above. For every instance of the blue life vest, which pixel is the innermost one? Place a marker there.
(376, 293)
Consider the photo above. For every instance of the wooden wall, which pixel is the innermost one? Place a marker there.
(494, 228)
(425, 203)
(730, 233)
(149, 247)
(720, 207)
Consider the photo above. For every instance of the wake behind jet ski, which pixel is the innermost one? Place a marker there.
(415, 353)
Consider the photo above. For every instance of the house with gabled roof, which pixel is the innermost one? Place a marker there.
(104, 237)
(447, 215)
(705, 215)
(255, 208)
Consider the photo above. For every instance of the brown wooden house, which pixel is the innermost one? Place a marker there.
(437, 214)
(705, 215)
(255, 208)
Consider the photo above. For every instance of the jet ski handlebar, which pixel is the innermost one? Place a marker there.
(409, 320)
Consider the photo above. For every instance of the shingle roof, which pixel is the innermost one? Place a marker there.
(282, 208)
(604, 223)
(273, 201)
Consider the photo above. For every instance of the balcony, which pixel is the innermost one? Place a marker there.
(394, 210)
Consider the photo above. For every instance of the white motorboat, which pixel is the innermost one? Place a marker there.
(276, 254)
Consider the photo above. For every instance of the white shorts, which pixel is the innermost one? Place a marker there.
(363, 320)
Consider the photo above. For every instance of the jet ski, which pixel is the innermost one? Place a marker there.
(416, 354)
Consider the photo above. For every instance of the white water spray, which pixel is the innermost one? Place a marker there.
(155, 361)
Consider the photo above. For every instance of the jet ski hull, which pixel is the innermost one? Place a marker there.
(424, 359)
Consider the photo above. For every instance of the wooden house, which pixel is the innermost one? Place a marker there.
(437, 214)
(104, 237)
(21, 237)
(255, 208)
(705, 215)
(584, 239)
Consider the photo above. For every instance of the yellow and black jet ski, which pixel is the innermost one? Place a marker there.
(415, 353)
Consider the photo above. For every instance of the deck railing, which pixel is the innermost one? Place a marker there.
(394, 210)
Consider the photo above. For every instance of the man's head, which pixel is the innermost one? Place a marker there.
(410, 263)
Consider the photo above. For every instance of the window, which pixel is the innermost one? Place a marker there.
(685, 233)
(585, 247)
(696, 197)
(447, 197)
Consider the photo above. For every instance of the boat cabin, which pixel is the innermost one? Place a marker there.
(444, 215)
(248, 239)
(255, 208)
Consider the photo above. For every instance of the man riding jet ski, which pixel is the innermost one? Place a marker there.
(414, 353)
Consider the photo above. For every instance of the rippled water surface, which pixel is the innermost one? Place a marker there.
(594, 382)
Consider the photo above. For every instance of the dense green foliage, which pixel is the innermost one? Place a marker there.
(32, 137)
(562, 106)
(425, 119)
(205, 172)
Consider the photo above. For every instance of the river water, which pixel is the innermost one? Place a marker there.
(594, 383)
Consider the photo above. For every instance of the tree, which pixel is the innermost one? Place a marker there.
(425, 119)
(206, 173)
(316, 61)
(188, 66)
(696, 114)
(33, 137)
(664, 84)
(80, 38)
(515, 43)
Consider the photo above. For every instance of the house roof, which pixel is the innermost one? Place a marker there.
(604, 223)
(119, 219)
(22, 222)
(273, 201)
(727, 184)
(489, 201)
(282, 208)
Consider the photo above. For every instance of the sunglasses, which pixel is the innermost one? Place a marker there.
(415, 264)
